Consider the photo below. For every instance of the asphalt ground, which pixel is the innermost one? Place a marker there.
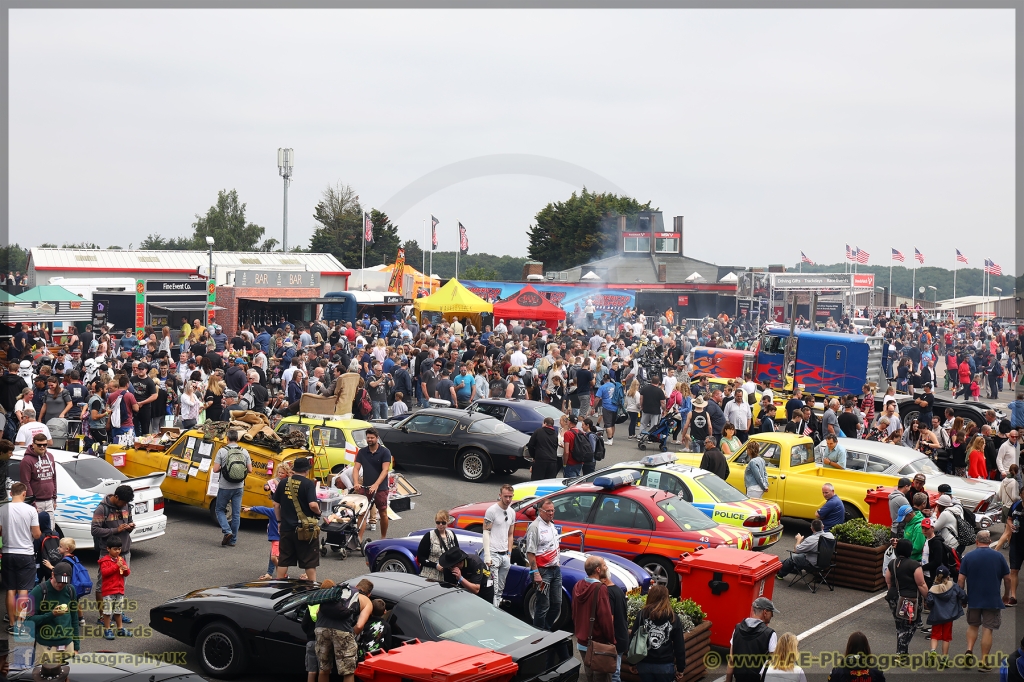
(190, 556)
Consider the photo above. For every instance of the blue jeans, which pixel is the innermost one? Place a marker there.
(234, 496)
(656, 672)
(549, 602)
(380, 410)
(573, 471)
(617, 675)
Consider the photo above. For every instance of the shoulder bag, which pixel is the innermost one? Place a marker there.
(601, 658)
(904, 608)
(638, 645)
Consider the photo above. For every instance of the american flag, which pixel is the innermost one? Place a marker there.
(993, 269)
(862, 255)
(433, 232)
(367, 228)
(805, 259)
(919, 256)
(849, 253)
(961, 258)
(897, 255)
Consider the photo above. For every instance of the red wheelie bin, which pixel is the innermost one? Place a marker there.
(442, 661)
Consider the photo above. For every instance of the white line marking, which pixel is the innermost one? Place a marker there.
(838, 617)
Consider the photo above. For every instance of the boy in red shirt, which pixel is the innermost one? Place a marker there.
(113, 568)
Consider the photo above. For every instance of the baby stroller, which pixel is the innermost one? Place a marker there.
(659, 433)
(339, 527)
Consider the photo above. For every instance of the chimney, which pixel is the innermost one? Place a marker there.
(662, 273)
(532, 267)
(677, 226)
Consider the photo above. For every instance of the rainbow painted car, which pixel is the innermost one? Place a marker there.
(718, 500)
(652, 528)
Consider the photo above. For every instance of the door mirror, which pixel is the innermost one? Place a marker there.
(405, 429)
(530, 512)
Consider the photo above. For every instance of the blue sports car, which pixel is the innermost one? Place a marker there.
(399, 555)
(522, 415)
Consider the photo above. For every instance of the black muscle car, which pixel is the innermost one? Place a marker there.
(255, 625)
(474, 444)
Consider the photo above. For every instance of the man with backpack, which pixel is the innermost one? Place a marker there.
(576, 449)
(233, 464)
(122, 405)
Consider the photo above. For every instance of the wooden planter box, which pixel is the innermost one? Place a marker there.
(698, 644)
(858, 568)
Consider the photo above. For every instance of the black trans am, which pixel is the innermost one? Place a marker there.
(255, 625)
(474, 444)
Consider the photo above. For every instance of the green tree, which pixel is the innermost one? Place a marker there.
(571, 232)
(155, 242)
(80, 245)
(340, 218)
(479, 272)
(13, 258)
(47, 245)
(225, 222)
(413, 254)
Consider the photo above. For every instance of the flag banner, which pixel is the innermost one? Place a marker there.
(433, 232)
(992, 269)
(463, 240)
(805, 259)
(395, 284)
(849, 253)
(367, 228)
(919, 256)
(897, 255)
(961, 257)
(862, 255)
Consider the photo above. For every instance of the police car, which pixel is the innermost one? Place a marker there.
(718, 500)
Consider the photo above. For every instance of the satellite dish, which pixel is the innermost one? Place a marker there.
(921, 289)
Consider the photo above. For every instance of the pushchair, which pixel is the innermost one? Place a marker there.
(660, 433)
(339, 527)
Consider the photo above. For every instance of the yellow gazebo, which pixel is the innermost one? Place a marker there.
(420, 281)
(453, 300)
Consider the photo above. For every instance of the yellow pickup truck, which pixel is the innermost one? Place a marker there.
(795, 480)
(187, 463)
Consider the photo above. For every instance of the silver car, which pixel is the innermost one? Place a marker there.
(896, 460)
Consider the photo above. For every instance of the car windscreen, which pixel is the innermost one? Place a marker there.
(685, 515)
(545, 410)
(359, 437)
(920, 466)
(89, 472)
(492, 426)
(294, 601)
(463, 617)
(722, 491)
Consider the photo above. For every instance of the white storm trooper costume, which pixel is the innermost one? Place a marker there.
(25, 372)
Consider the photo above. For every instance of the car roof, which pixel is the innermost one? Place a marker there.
(781, 438)
(509, 401)
(897, 454)
(637, 492)
(408, 587)
(452, 412)
(323, 421)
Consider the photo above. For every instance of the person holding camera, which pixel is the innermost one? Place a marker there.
(377, 386)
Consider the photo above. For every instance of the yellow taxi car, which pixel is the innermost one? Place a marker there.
(341, 438)
(715, 498)
(187, 462)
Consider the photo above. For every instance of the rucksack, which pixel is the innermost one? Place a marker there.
(347, 599)
(581, 449)
(965, 533)
(362, 406)
(49, 548)
(118, 412)
(599, 449)
(234, 469)
(951, 561)
(79, 576)
(248, 400)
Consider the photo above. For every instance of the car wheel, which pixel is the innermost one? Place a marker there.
(395, 563)
(662, 572)
(564, 614)
(474, 465)
(852, 512)
(475, 528)
(220, 650)
(213, 512)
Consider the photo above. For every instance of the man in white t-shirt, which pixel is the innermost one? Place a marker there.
(670, 381)
(542, 543)
(30, 427)
(748, 386)
(19, 524)
(499, 521)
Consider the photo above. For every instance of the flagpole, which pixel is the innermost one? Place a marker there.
(890, 271)
(457, 250)
(954, 287)
(913, 282)
(423, 252)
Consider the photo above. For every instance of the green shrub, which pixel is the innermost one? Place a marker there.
(689, 611)
(860, 532)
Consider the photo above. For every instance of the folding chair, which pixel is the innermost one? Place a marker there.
(819, 573)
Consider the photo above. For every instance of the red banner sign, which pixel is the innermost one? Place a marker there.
(864, 281)
(636, 234)
(684, 300)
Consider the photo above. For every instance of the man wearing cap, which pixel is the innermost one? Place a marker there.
(805, 554)
(468, 572)
(897, 499)
(55, 617)
(751, 643)
(291, 496)
(234, 376)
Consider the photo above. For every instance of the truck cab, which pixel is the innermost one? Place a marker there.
(825, 363)
(726, 363)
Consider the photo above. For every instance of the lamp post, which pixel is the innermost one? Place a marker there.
(935, 295)
(285, 162)
(999, 293)
(209, 276)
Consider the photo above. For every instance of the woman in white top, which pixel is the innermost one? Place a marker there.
(380, 350)
(190, 404)
(165, 341)
(782, 667)
(23, 403)
(631, 404)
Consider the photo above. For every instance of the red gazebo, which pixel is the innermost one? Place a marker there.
(528, 304)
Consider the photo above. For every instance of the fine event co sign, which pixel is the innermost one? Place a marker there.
(277, 278)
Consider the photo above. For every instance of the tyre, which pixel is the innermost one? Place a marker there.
(473, 465)
(852, 512)
(220, 649)
(662, 572)
(642, 446)
(564, 614)
(395, 563)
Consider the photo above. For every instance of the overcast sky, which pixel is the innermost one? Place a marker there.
(771, 131)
